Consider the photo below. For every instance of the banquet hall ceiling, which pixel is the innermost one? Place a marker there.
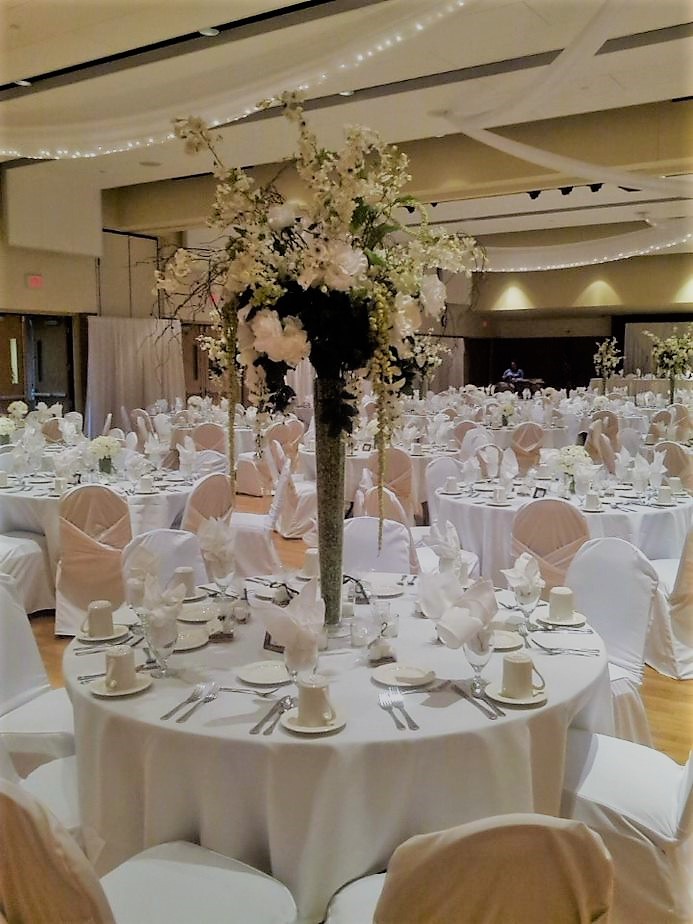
(116, 70)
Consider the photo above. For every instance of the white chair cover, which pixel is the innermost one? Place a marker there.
(24, 557)
(296, 505)
(669, 646)
(209, 436)
(51, 430)
(361, 552)
(107, 424)
(76, 419)
(552, 530)
(470, 874)
(641, 803)
(160, 552)
(620, 609)
(462, 428)
(473, 441)
(398, 477)
(610, 426)
(526, 442)
(210, 497)
(677, 461)
(435, 476)
(632, 440)
(681, 418)
(209, 461)
(392, 510)
(94, 528)
(22, 674)
(294, 430)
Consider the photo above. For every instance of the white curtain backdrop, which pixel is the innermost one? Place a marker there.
(451, 372)
(301, 380)
(132, 362)
(638, 347)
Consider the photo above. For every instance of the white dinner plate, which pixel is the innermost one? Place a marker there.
(289, 720)
(118, 632)
(538, 698)
(40, 479)
(200, 613)
(498, 503)
(660, 504)
(449, 493)
(504, 640)
(145, 493)
(263, 673)
(188, 639)
(199, 594)
(385, 589)
(577, 620)
(174, 476)
(99, 688)
(602, 509)
(402, 675)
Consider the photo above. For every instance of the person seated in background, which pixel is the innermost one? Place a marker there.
(513, 374)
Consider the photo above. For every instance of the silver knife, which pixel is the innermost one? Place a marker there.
(255, 730)
(475, 702)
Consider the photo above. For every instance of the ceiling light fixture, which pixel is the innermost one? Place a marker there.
(346, 92)
(209, 32)
(23, 83)
(565, 190)
(595, 187)
(534, 193)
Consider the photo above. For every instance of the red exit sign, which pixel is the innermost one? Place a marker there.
(33, 281)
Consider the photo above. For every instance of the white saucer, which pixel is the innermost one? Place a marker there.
(118, 632)
(98, 687)
(191, 638)
(504, 640)
(198, 614)
(40, 479)
(145, 493)
(289, 720)
(498, 503)
(538, 698)
(402, 675)
(659, 504)
(199, 594)
(263, 673)
(577, 621)
(301, 576)
(385, 591)
(172, 477)
(601, 509)
(449, 493)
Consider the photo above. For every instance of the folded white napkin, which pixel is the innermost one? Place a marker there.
(136, 465)
(471, 470)
(68, 462)
(187, 454)
(56, 410)
(490, 457)
(153, 446)
(508, 467)
(298, 625)
(216, 540)
(657, 469)
(131, 441)
(622, 462)
(444, 541)
(437, 592)
(468, 622)
(155, 598)
(311, 536)
(524, 576)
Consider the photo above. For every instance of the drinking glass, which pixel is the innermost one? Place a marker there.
(582, 485)
(301, 659)
(161, 635)
(478, 659)
(527, 602)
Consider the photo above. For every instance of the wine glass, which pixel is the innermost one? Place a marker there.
(161, 635)
(301, 658)
(526, 599)
(478, 657)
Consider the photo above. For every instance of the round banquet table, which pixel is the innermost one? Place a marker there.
(35, 508)
(659, 532)
(318, 811)
(554, 437)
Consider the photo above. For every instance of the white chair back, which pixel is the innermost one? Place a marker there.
(552, 530)
(610, 426)
(446, 877)
(398, 477)
(22, 674)
(489, 458)
(210, 497)
(435, 476)
(160, 552)
(473, 441)
(631, 439)
(361, 552)
(32, 840)
(209, 436)
(462, 428)
(76, 419)
(677, 461)
(619, 608)
(392, 510)
(209, 461)
(526, 442)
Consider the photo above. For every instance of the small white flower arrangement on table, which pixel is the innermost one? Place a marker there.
(104, 449)
(7, 428)
(17, 410)
(570, 460)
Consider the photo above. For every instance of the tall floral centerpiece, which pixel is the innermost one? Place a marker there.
(334, 278)
(672, 356)
(606, 360)
(424, 355)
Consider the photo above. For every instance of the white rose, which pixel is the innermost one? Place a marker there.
(433, 294)
(282, 216)
(407, 317)
(267, 328)
(346, 266)
(286, 343)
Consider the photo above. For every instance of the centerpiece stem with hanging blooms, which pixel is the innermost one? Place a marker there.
(334, 277)
(606, 360)
(672, 356)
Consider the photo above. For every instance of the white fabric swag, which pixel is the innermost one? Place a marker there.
(132, 362)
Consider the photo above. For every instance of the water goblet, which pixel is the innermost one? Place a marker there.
(526, 599)
(161, 634)
(478, 657)
(301, 658)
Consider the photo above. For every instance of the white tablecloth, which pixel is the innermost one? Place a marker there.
(318, 812)
(35, 511)
(659, 532)
(554, 437)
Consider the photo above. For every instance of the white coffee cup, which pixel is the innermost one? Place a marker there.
(145, 484)
(4, 480)
(518, 668)
(99, 621)
(452, 445)
(592, 501)
(499, 495)
(415, 449)
(451, 484)
(561, 604)
(185, 575)
(675, 484)
(120, 668)
(665, 495)
(314, 706)
(59, 485)
(650, 439)
(311, 563)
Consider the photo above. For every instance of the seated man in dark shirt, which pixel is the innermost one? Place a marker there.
(513, 374)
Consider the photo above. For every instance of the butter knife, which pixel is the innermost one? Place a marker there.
(488, 712)
(255, 730)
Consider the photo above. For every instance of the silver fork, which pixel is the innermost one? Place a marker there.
(385, 702)
(397, 701)
(211, 694)
(285, 704)
(587, 652)
(195, 694)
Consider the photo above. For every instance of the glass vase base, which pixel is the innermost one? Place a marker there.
(341, 629)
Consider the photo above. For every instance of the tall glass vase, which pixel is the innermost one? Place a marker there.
(672, 389)
(329, 466)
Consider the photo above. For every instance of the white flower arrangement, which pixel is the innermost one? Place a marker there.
(672, 356)
(195, 402)
(18, 409)
(607, 358)
(572, 458)
(323, 278)
(104, 447)
(600, 403)
(7, 426)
